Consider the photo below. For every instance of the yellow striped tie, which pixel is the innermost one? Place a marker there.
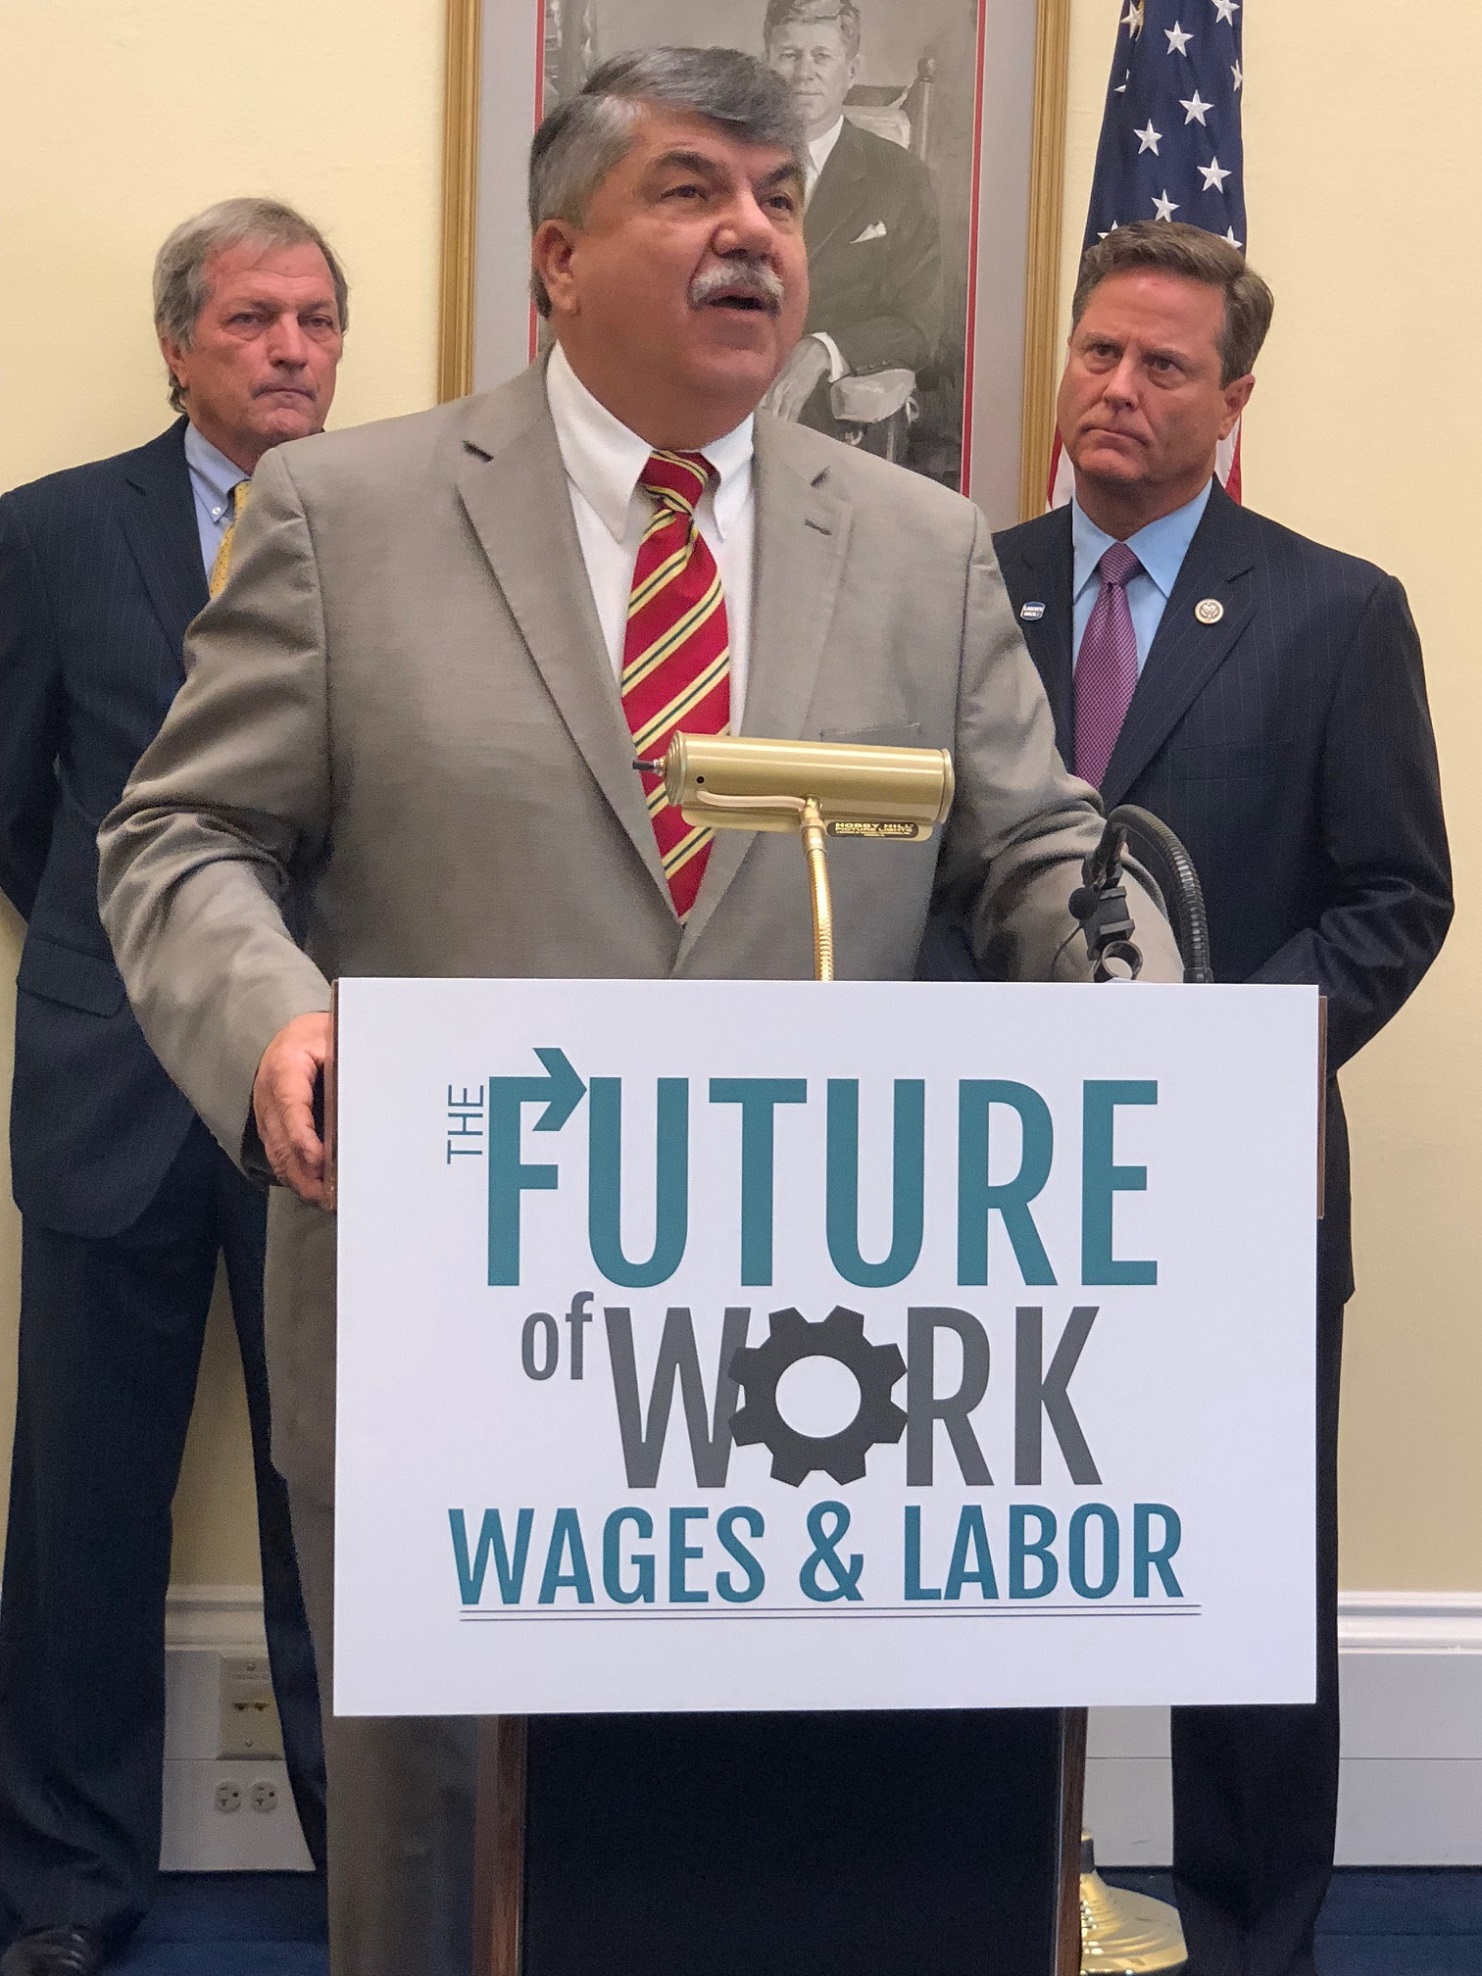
(676, 652)
(221, 568)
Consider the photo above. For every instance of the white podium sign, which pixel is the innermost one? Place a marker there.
(710, 1345)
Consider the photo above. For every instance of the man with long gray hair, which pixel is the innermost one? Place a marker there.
(126, 1201)
(521, 591)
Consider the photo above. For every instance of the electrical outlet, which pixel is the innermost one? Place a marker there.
(249, 1715)
(228, 1797)
(263, 1796)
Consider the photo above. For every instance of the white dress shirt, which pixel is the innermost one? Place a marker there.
(604, 462)
(820, 150)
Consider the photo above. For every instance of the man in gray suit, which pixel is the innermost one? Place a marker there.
(417, 704)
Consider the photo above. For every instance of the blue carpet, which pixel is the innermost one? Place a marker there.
(1418, 1922)
(1415, 1921)
(231, 1924)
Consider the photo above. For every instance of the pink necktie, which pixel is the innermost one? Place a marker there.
(1106, 668)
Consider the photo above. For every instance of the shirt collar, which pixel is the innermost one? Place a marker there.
(1160, 547)
(604, 460)
(212, 473)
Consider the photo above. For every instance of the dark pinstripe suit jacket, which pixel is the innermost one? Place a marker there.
(100, 573)
(1290, 747)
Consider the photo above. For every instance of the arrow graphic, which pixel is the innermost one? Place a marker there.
(561, 1091)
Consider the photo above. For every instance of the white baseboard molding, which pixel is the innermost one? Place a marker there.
(1411, 1781)
(1410, 1786)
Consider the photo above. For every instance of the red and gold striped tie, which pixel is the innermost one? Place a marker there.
(676, 652)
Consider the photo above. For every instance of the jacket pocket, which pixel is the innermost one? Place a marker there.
(76, 980)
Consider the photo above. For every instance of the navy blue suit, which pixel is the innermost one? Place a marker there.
(1289, 746)
(126, 1205)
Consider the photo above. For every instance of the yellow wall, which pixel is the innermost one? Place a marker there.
(117, 118)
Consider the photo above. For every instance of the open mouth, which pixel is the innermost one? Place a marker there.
(742, 299)
(744, 291)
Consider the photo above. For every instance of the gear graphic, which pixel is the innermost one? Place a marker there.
(840, 1335)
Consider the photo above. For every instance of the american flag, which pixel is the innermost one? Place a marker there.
(1170, 144)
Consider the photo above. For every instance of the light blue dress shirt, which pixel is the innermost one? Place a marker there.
(1160, 548)
(212, 478)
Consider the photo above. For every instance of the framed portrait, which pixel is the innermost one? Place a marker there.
(935, 135)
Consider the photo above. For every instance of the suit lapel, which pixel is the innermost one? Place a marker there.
(1045, 575)
(158, 518)
(1186, 652)
(513, 488)
(835, 201)
(802, 536)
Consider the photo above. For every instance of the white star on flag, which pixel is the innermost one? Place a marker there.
(1134, 19)
(1239, 74)
(1230, 236)
(1214, 175)
(1195, 106)
(1164, 208)
(1148, 140)
(1226, 10)
(1178, 41)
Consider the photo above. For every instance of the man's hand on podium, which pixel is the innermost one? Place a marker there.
(283, 1105)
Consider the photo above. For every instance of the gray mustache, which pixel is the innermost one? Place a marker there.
(739, 277)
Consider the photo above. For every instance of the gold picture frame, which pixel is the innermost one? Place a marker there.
(467, 49)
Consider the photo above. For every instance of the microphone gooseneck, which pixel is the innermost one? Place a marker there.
(1100, 901)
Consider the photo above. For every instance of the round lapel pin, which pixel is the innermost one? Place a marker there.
(1209, 610)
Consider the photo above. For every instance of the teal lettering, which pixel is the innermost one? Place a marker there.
(681, 1592)
(1111, 1551)
(758, 1098)
(977, 1199)
(1145, 1558)
(752, 1586)
(566, 1538)
(908, 1185)
(1022, 1548)
(972, 1536)
(605, 1183)
(914, 1587)
(509, 1571)
(509, 1178)
(1101, 1179)
(641, 1593)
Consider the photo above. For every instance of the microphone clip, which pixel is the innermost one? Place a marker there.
(1100, 904)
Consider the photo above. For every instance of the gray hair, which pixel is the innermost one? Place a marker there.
(780, 13)
(582, 139)
(1170, 247)
(181, 288)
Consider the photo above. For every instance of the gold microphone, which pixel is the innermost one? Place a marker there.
(818, 788)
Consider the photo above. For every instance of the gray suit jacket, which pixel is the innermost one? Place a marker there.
(401, 707)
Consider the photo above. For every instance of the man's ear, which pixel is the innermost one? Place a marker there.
(1237, 397)
(172, 353)
(551, 253)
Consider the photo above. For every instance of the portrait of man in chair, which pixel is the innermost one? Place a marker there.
(887, 97)
(874, 243)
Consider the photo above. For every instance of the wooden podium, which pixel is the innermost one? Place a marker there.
(930, 1842)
